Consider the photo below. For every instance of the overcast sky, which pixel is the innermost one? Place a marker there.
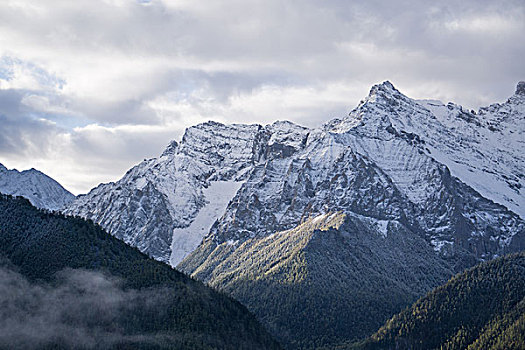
(88, 88)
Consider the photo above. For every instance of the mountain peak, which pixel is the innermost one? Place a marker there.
(384, 87)
(387, 85)
(385, 94)
(520, 88)
(171, 148)
(284, 124)
(382, 97)
(33, 171)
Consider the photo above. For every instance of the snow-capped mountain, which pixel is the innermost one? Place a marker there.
(41, 190)
(373, 163)
(453, 176)
(355, 219)
(166, 205)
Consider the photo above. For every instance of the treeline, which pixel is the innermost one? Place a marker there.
(178, 311)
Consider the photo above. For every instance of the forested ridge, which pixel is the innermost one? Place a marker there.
(39, 245)
(327, 281)
(481, 308)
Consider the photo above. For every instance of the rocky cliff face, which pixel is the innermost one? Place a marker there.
(156, 205)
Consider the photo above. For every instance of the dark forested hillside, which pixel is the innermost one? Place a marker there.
(482, 308)
(66, 283)
(331, 279)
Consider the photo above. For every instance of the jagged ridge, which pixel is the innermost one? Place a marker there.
(408, 140)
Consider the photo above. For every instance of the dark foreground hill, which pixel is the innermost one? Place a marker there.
(66, 283)
(482, 308)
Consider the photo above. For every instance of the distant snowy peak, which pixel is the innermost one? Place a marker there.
(41, 190)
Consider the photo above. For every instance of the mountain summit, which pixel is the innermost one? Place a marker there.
(520, 88)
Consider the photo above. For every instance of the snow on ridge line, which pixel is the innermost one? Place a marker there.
(218, 195)
(40, 189)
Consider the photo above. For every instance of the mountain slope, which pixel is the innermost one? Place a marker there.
(158, 307)
(41, 190)
(402, 137)
(482, 308)
(333, 278)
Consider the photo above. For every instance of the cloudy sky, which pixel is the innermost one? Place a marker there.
(89, 88)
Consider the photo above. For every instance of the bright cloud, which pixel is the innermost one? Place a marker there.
(89, 88)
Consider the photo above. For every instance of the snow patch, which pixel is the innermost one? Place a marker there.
(438, 244)
(186, 239)
(141, 183)
(232, 242)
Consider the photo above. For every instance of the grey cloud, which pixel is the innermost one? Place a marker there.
(291, 39)
(207, 55)
(19, 132)
(128, 111)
